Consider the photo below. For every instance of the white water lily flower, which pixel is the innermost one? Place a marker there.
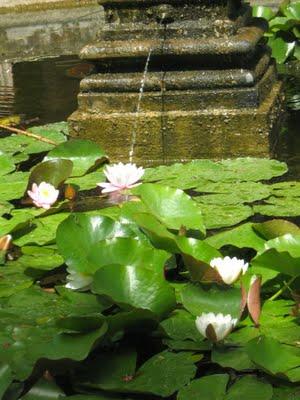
(215, 326)
(43, 195)
(121, 176)
(78, 281)
(230, 269)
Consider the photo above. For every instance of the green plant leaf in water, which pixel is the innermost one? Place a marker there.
(171, 206)
(52, 171)
(212, 387)
(84, 155)
(281, 254)
(135, 286)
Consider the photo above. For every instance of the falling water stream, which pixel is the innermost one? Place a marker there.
(138, 107)
(141, 92)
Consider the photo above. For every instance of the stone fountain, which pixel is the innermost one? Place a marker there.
(178, 80)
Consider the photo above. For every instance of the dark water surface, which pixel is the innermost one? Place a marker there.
(47, 91)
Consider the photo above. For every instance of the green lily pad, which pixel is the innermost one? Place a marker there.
(135, 286)
(84, 155)
(171, 206)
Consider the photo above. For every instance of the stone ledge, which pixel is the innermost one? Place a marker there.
(20, 6)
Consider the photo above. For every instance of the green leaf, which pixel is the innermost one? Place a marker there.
(29, 329)
(171, 206)
(197, 299)
(84, 155)
(212, 387)
(180, 326)
(135, 286)
(279, 207)
(250, 388)
(108, 370)
(263, 12)
(45, 230)
(281, 254)
(281, 49)
(6, 378)
(242, 236)
(292, 10)
(216, 216)
(13, 186)
(273, 357)
(88, 181)
(13, 279)
(127, 251)
(235, 358)
(197, 255)
(163, 374)
(6, 164)
(276, 227)
(36, 257)
(44, 389)
(77, 235)
(19, 143)
(52, 171)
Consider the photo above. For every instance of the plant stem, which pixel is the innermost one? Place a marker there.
(29, 134)
(284, 287)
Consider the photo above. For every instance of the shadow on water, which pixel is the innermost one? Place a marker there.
(47, 92)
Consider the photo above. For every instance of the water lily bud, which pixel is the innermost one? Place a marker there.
(121, 176)
(43, 195)
(215, 327)
(253, 299)
(229, 269)
(78, 281)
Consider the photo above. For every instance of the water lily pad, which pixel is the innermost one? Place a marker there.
(217, 216)
(135, 286)
(279, 207)
(197, 300)
(241, 236)
(171, 206)
(19, 143)
(12, 186)
(272, 356)
(281, 254)
(84, 155)
(6, 164)
(250, 388)
(212, 387)
(29, 331)
(79, 232)
(52, 171)
(88, 181)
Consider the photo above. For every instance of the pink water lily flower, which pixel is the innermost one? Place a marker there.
(43, 195)
(121, 176)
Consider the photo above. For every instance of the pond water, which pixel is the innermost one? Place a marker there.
(46, 91)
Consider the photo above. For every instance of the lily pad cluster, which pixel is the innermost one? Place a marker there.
(130, 332)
